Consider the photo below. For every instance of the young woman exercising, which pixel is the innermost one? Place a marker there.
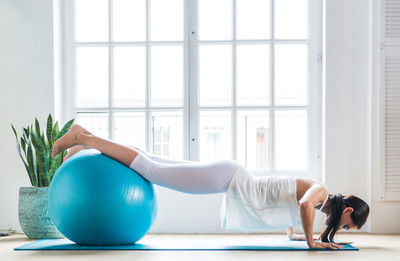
(250, 202)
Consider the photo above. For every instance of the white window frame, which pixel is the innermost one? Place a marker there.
(190, 106)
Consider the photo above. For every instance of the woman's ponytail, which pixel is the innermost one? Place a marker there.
(335, 213)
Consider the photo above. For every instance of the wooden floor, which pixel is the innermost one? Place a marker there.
(372, 247)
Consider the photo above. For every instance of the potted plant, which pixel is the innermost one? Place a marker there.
(35, 149)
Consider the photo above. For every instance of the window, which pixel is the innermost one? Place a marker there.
(199, 79)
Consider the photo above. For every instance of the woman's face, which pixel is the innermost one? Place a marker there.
(345, 221)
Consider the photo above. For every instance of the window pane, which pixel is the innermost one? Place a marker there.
(96, 123)
(129, 20)
(253, 140)
(215, 19)
(167, 76)
(215, 75)
(129, 128)
(253, 19)
(129, 76)
(291, 73)
(92, 76)
(168, 128)
(253, 74)
(91, 20)
(215, 135)
(291, 140)
(291, 19)
(166, 20)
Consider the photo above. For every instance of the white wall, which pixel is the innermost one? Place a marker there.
(347, 93)
(26, 90)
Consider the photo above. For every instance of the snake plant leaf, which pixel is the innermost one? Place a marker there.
(18, 145)
(37, 126)
(48, 147)
(43, 174)
(26, 133)
(20, 154)
(54, 133)
(19, 151)
(46, 144)
(15, 132)
(31, 166)
(49, 128)
(23, 145)
(64, 154)
(65, 129)
(26, 139)
(55, 164)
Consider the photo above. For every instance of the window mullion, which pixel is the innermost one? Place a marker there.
(186, 82)
(272, 89)
(68, 62)
(234, 67)
(110, 70)
(193, 106)
(147, 100)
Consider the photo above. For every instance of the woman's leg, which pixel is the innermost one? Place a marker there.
(161, 159)
(77, 148)
(77, 135)
(186, 177)
(199, 178)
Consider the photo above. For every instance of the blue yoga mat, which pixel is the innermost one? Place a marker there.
(192, 245)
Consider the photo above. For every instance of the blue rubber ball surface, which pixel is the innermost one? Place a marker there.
(96, 200)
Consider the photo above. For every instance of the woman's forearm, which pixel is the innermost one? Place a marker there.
(307, 213)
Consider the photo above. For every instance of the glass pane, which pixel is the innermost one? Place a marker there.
(215, 74)
(167, 76)
(291, 74)
(291, 140)
(96, 123)
(91, 19)
(129, 128)
(253, 140)
(215, 135)
(253, 19)
(168, 128)
(129, 20)
(92, 76)
(166, 20)
(253, 74)
(129, 76)
(215, 19)
(291, 19)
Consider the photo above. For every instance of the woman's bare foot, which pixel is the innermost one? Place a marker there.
(74, 150)
(70, 139)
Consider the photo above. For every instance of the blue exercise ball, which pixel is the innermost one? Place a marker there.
(96, 200)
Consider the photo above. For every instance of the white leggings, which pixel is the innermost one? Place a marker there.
(185, 176)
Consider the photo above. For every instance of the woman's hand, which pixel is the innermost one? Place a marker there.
(324, 245)
(75, 149)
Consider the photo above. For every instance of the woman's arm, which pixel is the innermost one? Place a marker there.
(307, 203)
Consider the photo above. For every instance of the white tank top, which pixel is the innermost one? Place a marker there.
(260, 203)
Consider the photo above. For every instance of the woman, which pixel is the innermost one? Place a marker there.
(250, 202)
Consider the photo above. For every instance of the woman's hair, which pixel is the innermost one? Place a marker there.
(337, 204)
